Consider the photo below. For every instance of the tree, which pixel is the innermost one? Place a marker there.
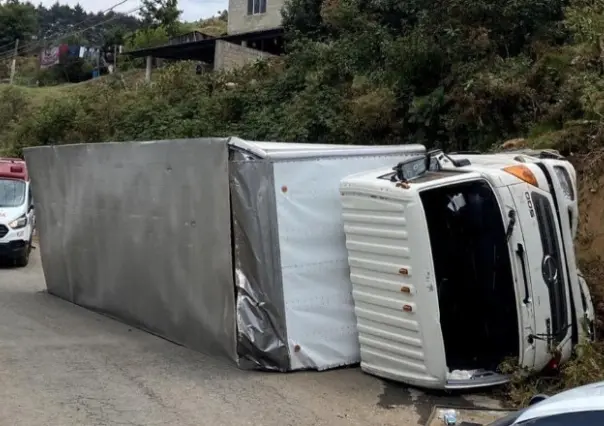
(163, 13)
(147, 37)
(17, 21)
(303, 17)
(63, 19)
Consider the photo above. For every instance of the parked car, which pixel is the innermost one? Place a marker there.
(17, 216)
(582, 406)
(461, 262)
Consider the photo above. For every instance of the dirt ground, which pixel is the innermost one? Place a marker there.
(63, 365)
(590, 241)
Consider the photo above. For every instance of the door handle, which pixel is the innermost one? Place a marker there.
(520, 253)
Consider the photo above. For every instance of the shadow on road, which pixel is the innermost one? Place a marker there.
(8, 263)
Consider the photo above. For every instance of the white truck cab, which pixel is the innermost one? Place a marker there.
(459, 263)
(17, 216)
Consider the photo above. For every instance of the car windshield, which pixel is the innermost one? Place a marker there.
(584, 418)
(12, 193)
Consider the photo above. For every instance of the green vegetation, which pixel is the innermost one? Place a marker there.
(456, 74)
(459, 74)
(587, 366)
(38, 26)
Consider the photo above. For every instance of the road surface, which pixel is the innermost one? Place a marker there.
(63, 365)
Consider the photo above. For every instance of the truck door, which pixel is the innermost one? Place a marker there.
(524, 292)
(30, 213)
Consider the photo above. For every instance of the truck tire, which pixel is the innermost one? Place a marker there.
(23, 260)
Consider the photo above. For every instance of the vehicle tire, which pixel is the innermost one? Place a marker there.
(23, 260)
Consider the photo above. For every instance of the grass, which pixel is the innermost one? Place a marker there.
(586, 366)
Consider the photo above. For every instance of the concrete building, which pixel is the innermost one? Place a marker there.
(254, 15)
(231, 55)
(247, 17)
(253, 32)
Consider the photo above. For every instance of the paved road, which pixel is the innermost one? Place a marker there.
(63, 365)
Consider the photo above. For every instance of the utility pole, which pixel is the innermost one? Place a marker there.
(114, 58)
(13, 66)
(98, 63)
(148, 69)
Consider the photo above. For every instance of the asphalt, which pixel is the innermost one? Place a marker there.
(64, 365)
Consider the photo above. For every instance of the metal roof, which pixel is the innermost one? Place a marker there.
(202, 50)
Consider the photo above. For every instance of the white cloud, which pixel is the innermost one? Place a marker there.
(192, 10)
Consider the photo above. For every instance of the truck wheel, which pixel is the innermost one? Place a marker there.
(23, 259)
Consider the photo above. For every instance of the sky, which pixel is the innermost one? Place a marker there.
(192, 10)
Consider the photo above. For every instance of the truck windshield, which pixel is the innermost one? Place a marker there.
(12, 193)
(474, 280)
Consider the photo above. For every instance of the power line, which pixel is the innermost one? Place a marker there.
(78, 23)
(27, 47)
(33, 46)
(30, 47)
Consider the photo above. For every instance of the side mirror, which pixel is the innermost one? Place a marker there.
(30, 208)
(411, 168)
(537, 399)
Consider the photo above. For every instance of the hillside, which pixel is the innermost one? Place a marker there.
(456, 74)
(38, 26)
(33, 25)
(461, 78)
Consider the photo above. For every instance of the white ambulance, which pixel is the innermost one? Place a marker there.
(17, 217)
(460, 262)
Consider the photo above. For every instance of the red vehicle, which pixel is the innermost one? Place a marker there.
(17, 216)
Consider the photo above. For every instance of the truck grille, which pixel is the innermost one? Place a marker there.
(3, 231)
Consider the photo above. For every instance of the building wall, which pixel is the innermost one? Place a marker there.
(229, 55)
(241, 22)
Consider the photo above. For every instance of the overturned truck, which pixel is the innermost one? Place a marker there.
(459, 263)
(229, 247)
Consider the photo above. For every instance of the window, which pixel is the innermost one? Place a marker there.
(565, 182)
(585, 418)
(552, 266)
(12, 193)
(256, 7)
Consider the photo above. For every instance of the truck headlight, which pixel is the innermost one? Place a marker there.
(19, 223)
(566, 182)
